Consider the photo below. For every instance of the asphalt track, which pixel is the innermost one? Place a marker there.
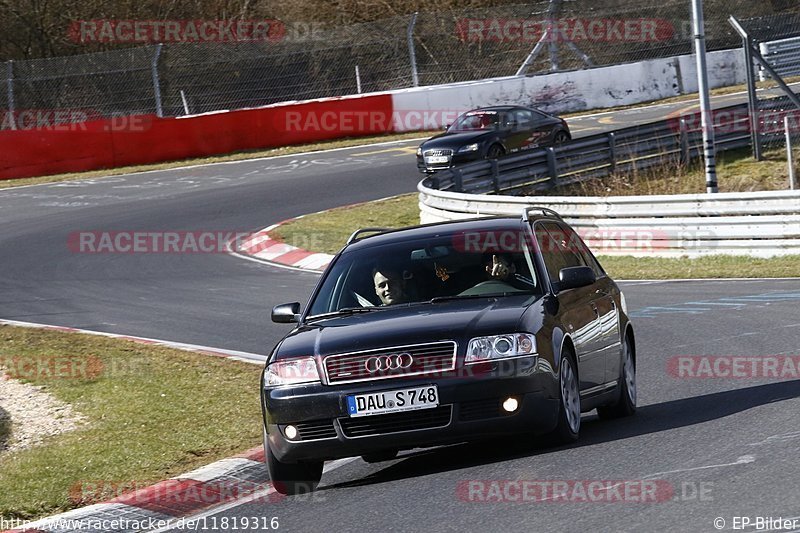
(727, 447)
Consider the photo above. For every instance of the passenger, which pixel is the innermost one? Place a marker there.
(389, 285)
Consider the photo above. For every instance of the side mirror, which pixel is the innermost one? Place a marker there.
(286, 313)
(575, 277)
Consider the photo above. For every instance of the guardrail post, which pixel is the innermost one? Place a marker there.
(789, 153)
(495, 175)
(612, 152)
(684, 141)
(458, 180)
(552, 169)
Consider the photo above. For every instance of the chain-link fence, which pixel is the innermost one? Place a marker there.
(430, 48)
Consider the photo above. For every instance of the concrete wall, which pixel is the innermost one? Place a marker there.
(565, 92)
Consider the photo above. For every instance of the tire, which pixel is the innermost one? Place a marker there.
(561, 137)
(292, 478)
(495, 151)
(569, 403)
(379, 457)
(626, 402)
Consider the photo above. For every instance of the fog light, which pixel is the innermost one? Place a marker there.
(510, 405)
(291, 432)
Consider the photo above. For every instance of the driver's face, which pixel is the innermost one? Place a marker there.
(388, 288)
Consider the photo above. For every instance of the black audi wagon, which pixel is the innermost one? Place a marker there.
(446, 333)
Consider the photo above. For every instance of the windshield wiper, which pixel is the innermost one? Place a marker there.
(344, 311)
(473, 296)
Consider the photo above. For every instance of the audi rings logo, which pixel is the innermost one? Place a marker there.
(395, 361)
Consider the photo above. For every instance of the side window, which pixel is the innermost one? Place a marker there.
(577, 245)
(556, 249)
(524, 119)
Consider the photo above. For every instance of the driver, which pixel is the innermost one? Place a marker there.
(499, 266)
(502, 267)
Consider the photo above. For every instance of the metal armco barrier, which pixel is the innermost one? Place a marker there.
(760, 224)
(674, 140)
(783, 55)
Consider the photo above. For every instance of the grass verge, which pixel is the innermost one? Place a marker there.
(737, 171)
(329, 230)
(153, 412)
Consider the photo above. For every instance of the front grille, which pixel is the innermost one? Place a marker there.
(437, 153)
(479, 409)
(317, 429)
(433, 358)
(396, 422)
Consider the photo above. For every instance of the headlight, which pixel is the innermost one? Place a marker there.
(419, 151)
(623, 302)
(469, 148)
(500, 347)
(291, 372)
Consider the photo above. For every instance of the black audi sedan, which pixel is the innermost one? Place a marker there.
(446, 333)
(488, 133)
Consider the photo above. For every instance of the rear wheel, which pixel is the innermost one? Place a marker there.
(626, 403)
(569, 409)
(292, 478)
(495, 151)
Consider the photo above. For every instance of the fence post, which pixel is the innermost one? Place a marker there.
(552, 170)
(412, 54)
(790, 155)
(612, 150)
(684, 141)
(185, 103)
(358, 80)
(10, 85)
(156, 83)
(495, 175)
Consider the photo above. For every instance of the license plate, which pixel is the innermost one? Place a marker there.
(395, 401)
(437, 159)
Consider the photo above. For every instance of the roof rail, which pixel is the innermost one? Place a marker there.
(527, 211)
(357, 233)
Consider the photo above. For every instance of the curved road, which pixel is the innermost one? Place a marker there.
(724, 447)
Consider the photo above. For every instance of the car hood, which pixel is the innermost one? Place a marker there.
(456, 140)
(458, 320)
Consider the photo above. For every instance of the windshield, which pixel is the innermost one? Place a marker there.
(463, 265)
(476, 121)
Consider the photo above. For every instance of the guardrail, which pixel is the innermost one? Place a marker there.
(783, 56)
(675, 140)
(761, 224)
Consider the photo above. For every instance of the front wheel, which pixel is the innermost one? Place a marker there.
(626, 403)
(561, 137)
(292, 478)
(569, 409)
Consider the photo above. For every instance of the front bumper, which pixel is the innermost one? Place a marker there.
(469, 409)
(454, 159)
